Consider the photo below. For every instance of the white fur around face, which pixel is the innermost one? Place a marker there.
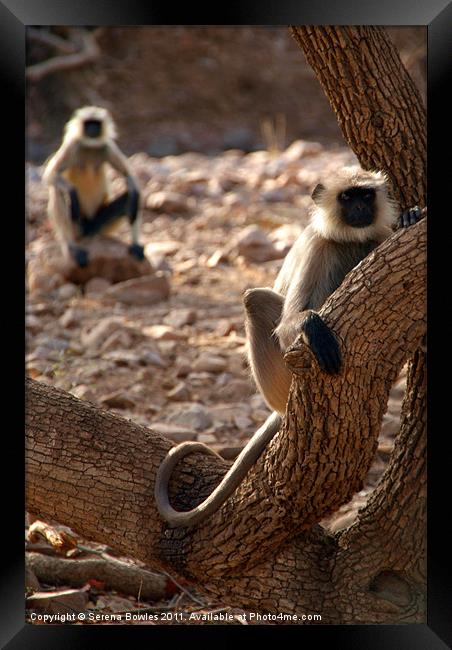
(325, 218)
(74, 128)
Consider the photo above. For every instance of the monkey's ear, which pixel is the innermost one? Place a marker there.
(317, 191)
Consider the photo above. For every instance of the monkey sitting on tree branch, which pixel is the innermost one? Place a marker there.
(353, 214)
(79, 192)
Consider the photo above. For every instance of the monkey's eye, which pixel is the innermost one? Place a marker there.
(345, 196)
(368, 196)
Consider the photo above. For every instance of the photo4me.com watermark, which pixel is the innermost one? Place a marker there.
(175, 617)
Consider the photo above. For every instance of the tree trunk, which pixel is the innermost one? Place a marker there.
(382, 118)
(377, 105)
(95, 472)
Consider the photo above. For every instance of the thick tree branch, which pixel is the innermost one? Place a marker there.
(51, 40)
(377, 105)
(382, 117)
(88, 52)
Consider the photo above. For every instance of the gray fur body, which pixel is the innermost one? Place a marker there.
(314, 268)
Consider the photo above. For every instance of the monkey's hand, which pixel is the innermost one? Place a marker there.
(136, 250)
(409, 217)
(322, 342)
(317, 335)
(80, 255)
(88, 227)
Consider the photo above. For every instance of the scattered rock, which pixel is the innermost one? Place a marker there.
(193, 416)
(242, 422)
(220, 256)
(168, 202)
(301, 148)
(284, 237)
(33, 324)
(225, 413)
(67, 291)
(40, 280)
(342, 522)
(38, 368)
(275, 195)
(206, 438)
(174, 432)
(84, 392)
(108, 258)
(152, 358)
(160, 263)
(41, 353)
(390, 425)
(169, 248)
(122, 357)
(237, 389)
(230, 453)
(183, 367)
(168, 348)
(72, 317)
(164, 333)
(255, 246)
(146, 290)
(209, 363)
(94, 337)
(225, 327)
(117, 400)
(177, 318)
(96, 286)
(180, 393)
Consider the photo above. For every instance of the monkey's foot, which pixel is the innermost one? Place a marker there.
(323, 343)
(409, 217)
(80, 255)
(136, 250)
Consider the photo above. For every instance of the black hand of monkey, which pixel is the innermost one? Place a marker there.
(79, 254)
(88, 227)
(76, 214)
(137, 251)
(323, 343)
(409, 217)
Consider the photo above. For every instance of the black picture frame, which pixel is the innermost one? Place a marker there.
(15, 15)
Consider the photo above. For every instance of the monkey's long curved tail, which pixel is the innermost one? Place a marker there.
(230, 482)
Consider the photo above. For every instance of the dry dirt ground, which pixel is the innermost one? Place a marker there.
(215, 225)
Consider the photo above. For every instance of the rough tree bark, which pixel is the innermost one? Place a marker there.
(95, 472)
(382, 117)
(377, 105)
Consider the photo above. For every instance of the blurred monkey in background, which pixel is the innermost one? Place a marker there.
(80, 204)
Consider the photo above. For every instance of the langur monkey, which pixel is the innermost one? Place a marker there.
(79, 201)
(352, 215)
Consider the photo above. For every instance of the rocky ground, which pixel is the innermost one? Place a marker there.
(213, 226)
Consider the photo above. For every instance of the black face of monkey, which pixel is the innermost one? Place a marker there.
(92, 128)
(357, 206)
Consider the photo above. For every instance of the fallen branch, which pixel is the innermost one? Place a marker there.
(124, 578)
(51, 40)
(89, 51)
